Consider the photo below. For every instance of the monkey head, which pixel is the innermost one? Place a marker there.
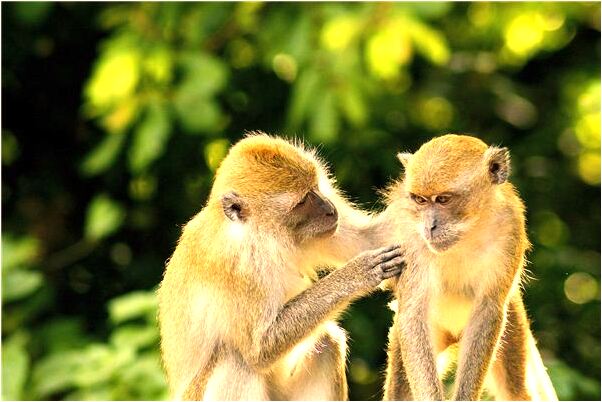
(274, 187)
(448, 182)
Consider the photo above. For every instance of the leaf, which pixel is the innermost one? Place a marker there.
(61, 334)
(208, 74)
(304, 91)
(32, 13)
(86, 367)
(215, 152)
(150, 138)
(103, 156)
(135, 337)
(17, 284)
(197, 113)
(144, 378)
(103, 218)
(194, 98)
(353, 106)
(17, 251)
(115, 75)
(132, 305)
(429, 42)
(324, 123)
(15, 367)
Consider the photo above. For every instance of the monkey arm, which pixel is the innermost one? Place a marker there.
(305, 312)
(414, 334)
(417, 351)
(479, 343)
(299, 317)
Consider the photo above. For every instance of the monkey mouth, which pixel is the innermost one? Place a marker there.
(440, 245)
(329, 230)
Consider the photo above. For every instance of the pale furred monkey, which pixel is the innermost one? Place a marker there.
(239, 315)
(461, 225)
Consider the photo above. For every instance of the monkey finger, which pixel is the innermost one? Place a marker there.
(389, 255)
(391, 273)
(387, 249)
(396, 262)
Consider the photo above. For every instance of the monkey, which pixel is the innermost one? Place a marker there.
(461, 225)
(242, 314)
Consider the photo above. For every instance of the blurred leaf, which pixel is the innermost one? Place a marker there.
(135, 337)
(102, 392)
(16, 284)
(10, 148)
(103, 156)
(61, 334)
(121, 117)
(150, 138)
(84, 368)
(430, 43)
(427, 10)
(145, 377)
(571, 384)
(304, 92)
(32, 13)
(207, 73)
(115, 75)
(17, 251)
(324, 123)
(138, 304)
(15, 367)
(215, 152)
(194, 103)
(159, 64)
(353, 106)
(104, 217)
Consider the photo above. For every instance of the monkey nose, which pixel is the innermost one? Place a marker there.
(430, 230)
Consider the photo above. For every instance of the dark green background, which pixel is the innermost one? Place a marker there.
(114, 117)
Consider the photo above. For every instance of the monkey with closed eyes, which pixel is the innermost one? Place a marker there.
(241, 312)
(461, 225)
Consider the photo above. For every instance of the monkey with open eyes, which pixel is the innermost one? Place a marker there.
(239, 315)
(462, 227)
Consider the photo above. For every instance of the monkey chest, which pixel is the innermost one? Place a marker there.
(450, 312)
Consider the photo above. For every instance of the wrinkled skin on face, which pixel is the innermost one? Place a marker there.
(313, 216)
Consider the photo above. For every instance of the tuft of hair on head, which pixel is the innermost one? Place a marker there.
(404, 158)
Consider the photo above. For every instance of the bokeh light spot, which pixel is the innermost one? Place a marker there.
(285, 67)
(581, 288)
(551, 231)
(588, 166)
(436, 113)
(387, 50)
(339, 32)
(215, 151)
(114, 78)
(360, 372)
(524, 34)
(121, 254)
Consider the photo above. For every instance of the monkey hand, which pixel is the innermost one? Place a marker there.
(370, 268)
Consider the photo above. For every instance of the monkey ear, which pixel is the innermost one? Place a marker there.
(404, 158)
(498, 164)
(234, 207)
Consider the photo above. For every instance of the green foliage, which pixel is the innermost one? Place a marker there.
(103, 218)
(136, 104)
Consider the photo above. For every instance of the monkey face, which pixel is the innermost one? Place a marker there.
(440, 220)
(312, 216)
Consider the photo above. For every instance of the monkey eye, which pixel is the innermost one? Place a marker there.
(418, 199)
(443, 199)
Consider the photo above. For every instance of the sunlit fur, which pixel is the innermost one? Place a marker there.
(227, 281)
(468, 292)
